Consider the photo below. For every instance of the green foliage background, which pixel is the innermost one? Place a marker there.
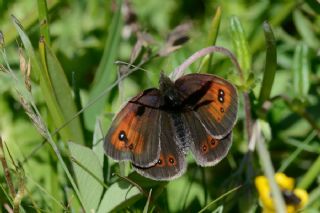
(72, 57)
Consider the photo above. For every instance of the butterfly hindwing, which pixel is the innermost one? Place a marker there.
(206, 149)
(171, 163)
(213, 99)
(134, 134)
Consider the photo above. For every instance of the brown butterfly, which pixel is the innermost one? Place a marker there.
(156, 129)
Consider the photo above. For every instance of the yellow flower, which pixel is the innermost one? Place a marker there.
(295, 199)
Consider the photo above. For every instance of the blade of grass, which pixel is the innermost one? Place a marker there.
(219, 198)
(268, 169)
(32, 111)
(270, 66)
(43, 20)
(212, 38)
(105, 74)
(28, 20)
(294, 155)
(311, 175)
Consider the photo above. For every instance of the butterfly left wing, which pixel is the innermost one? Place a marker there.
(134, 132)
(171, 163)
(213, 99)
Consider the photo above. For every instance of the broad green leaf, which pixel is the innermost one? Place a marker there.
(241, 46)
(106, 73)
(301, 69)
(89, 187)
(58, 96)
(119, 195)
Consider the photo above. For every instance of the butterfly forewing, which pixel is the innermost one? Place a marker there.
(213, 99)
(171, 163)
(134, 132)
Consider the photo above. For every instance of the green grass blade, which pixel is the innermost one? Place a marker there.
(241, 46)
(270, 66)
(106, 73)
(43, 20)
(29, 49)
(212, 38)
(301, 69)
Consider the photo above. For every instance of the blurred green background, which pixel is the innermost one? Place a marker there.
(72, 47)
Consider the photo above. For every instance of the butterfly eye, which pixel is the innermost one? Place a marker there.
(221, 96)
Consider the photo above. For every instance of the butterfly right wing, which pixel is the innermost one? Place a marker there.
(134, 133)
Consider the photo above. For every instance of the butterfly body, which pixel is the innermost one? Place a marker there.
(157, 128)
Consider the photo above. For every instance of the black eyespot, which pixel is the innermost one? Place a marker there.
(221, 110)
(159, 162)
(140, 110)
(122, 136)
(171, 160)
(213, 142)
(221, 99)
(221, 96)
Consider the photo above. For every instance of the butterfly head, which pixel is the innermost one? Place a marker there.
(169, 92)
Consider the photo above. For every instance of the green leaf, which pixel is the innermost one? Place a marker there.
(241, 46)
(106, 73)
(304, 27)
(89, 187)
(270, 66)
(301, 69)
(54, 86)
(58, 96)
(97, 144)
(119, 195)
(184, 191)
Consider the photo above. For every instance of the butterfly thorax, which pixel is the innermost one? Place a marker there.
(171, 98)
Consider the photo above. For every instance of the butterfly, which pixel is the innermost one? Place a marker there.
(157, 128)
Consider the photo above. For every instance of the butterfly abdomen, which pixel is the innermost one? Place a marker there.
(183, 133)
